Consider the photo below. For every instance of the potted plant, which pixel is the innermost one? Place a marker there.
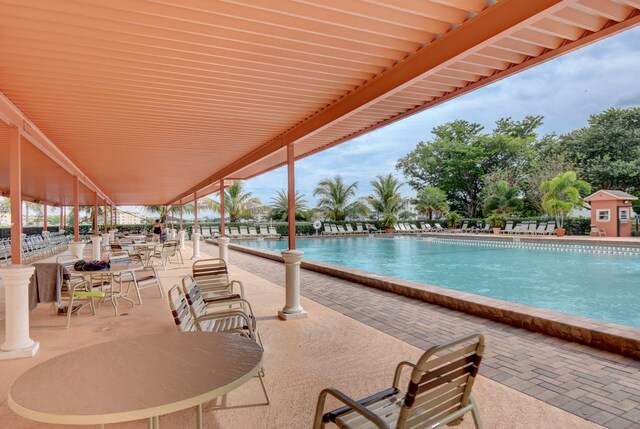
(497, 221)
(561, 195)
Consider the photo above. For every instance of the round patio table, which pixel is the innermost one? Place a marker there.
(135, 378)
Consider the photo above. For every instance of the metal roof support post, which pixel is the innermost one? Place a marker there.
(15, 188)
(76, 208)
(62, 218)
(182, 231)
(195, 235)
(76, 248)
(16, 276)
(223, 241)
(105, 216)
(44, 218)
(292, 257)
(222, 233)
(95, 216)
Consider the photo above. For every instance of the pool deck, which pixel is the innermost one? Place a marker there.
(301, 357)
(597, 385)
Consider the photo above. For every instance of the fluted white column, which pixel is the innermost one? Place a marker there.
(195, 237)
(77, 249)
(95, 248)
(223, 250)
(181, 234)
(292, 309)
(16, 284)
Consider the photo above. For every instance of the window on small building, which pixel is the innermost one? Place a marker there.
(624, 214)
(604, 215)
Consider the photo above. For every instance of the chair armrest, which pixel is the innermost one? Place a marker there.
(399, 368)
(243, 303)
(353, 405)
(221, 298)
(239, 283)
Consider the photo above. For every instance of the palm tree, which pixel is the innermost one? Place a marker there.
(335, 196)
(502, 199)
(238, 203)
(386, 199)
(562, 194)
(431, 200)
(187, 208)
(280, 206)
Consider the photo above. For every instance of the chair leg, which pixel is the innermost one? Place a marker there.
(69, 311)
(476, 414)
(264, 388)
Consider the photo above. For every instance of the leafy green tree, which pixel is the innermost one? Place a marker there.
(32, 209)
(386, 199)
(280, 206)
(607, 152)
(502, 199)
(335, 202)
(459, 157)
(562, 194)
(431, 200)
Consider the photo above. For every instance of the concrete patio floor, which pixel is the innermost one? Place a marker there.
(301, 358)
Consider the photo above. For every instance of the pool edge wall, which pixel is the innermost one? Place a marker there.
(608, 336)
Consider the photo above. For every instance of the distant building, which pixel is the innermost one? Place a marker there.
(410, 207)
(125, 218)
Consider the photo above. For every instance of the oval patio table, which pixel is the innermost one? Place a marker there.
(135, 378)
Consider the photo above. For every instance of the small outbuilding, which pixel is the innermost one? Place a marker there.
(611, 213)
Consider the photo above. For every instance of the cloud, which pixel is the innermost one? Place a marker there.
(566, 91)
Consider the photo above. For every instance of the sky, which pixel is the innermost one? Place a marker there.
(566, 91)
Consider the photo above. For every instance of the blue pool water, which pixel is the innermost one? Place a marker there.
(599, 286)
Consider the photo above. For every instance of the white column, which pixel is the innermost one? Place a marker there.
(77, 249)
(223, 251)
(181, 234)
(17, 343)
(95, 247)
(292, 309)
(106, 238)
(195, 237)
(112, 234)
(172, 233)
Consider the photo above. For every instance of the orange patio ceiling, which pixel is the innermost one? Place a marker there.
(154, 100)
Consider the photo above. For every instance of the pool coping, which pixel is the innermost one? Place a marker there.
(608, 336)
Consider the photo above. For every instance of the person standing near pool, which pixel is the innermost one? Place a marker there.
(157, 230)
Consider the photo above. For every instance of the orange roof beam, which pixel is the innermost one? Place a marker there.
(12, 116)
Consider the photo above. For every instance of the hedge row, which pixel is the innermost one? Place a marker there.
(574, 226)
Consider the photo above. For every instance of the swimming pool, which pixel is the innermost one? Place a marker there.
(576, 279)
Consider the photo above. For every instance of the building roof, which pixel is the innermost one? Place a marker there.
(618, 195)
(148, 102)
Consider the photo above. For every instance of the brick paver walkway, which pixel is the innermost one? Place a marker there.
(599, 386)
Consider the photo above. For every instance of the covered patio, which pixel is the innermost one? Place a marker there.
(161, 103)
